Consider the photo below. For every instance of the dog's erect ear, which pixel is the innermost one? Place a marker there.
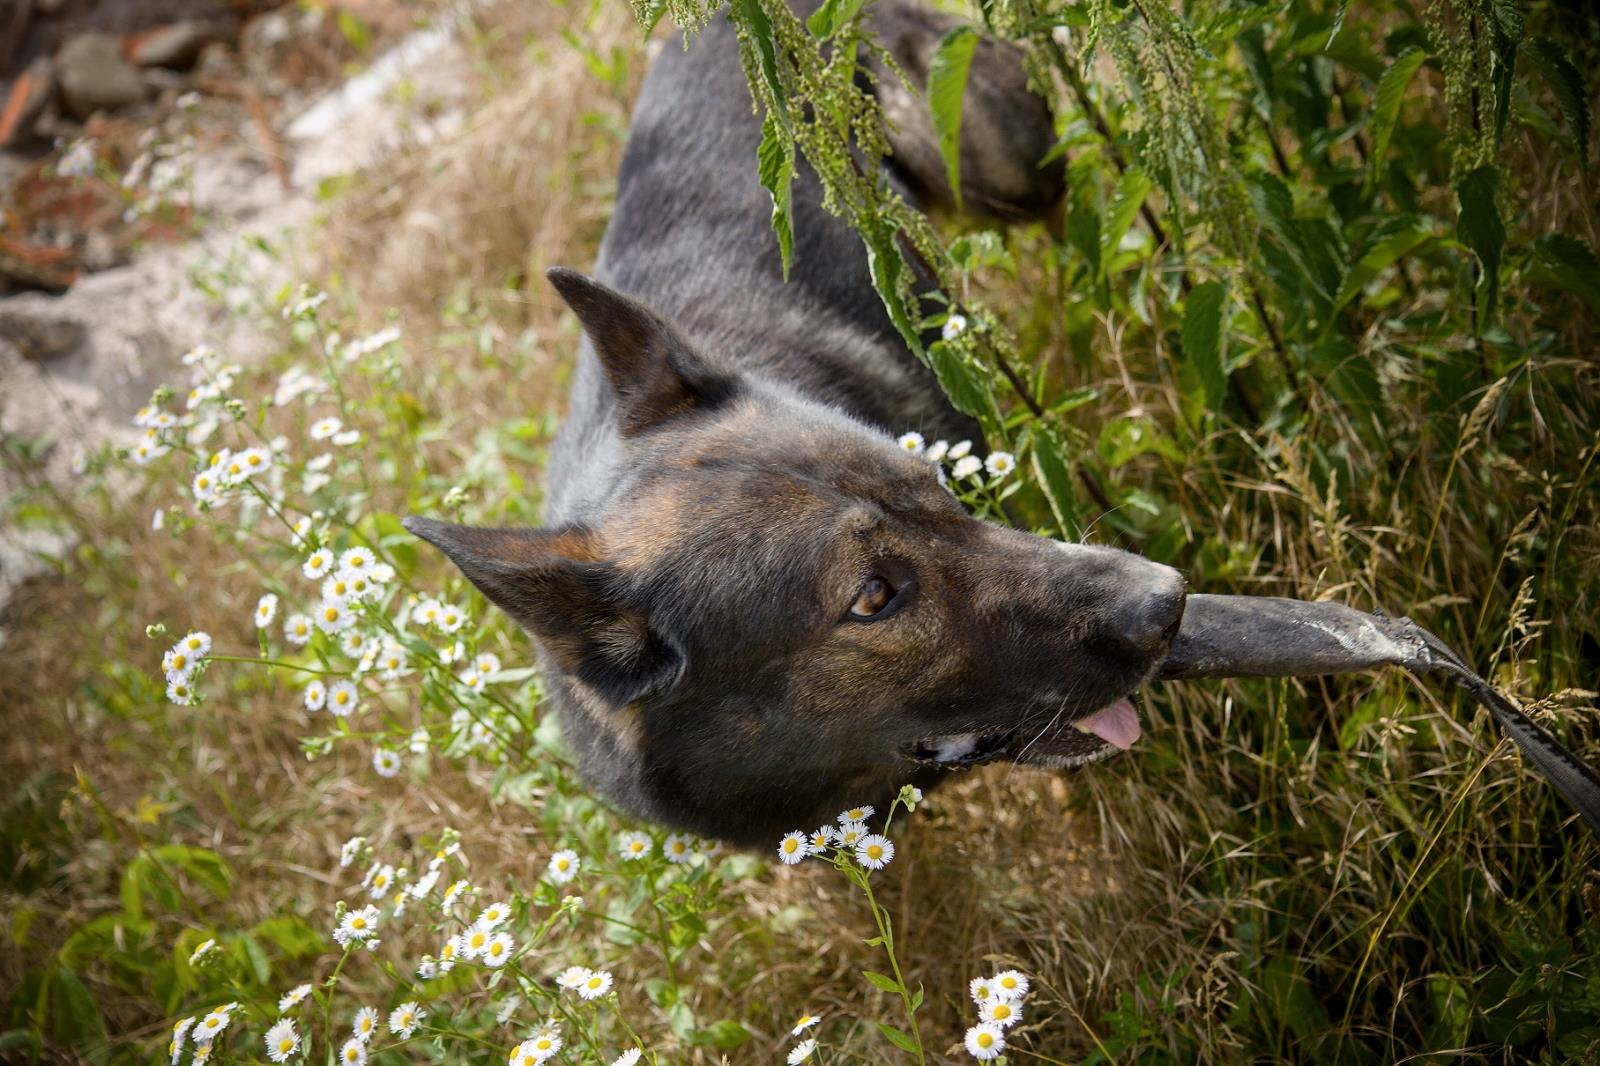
(556, 585)
(653, 370)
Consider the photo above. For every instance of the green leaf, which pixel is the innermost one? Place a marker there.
(1566, 85)
(1395, 238)
(1055, 478)
(961, 379)
(947, 86)
(1202, 339)
(759, 27)
(882, 982)
(775, 165)
(1480, 228)
(1565, 262)
(726, 1034)
(1132, 188)
(898, 1037)
(1386, 107)
(828, 19)
(886, 266)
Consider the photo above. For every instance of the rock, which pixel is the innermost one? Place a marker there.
(24, 101)
(94, 76)
(176, 45)
(39, 336)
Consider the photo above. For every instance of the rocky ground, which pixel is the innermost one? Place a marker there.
(141, 140)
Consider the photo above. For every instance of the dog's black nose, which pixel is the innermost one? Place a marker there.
(1153, 613)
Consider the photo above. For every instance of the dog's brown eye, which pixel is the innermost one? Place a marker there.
(874, 596)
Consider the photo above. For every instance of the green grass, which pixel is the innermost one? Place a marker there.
(1343, 346)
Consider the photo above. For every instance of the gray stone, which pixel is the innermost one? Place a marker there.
(94, 76)
(39, 335)
(176, 45)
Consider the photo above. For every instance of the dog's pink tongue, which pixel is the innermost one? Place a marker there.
(1116, 724)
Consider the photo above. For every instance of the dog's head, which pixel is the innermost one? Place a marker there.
(777, 612)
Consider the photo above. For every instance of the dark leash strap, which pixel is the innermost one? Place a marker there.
(1571, 776)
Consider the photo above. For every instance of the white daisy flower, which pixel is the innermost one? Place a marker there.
(572, 978)
(472, 681)
(319, 463)
(297, 629)
(378, 880)
(848, 835)
(982, 990)
(391, 661)
(179, 692)
(354, 1052)
(358, 560)
(793, 847)
(875, 851)
(999, 464)
(474, 941)
(347, 437)
(350, 851)
(912, 442)
(180, 1035)
(498, 950)
(804, 1022)
(323, 428)
(211, 1025)
(145, 452)
(196, 643)
(334, 617)
(563, 866)
(954, 326)
(453, 891)
(819, 841)
(452, 653)
(451, 618)
(543, 1045)
(205, 485)
(448, 952)
(353, 644)
(628, 1058)
(282, 1041)
(1011, 984)
(985, 1041)
(960, 450)
(202, 1054)
(382, 573)
(315, 695)
(266, 610)
(425, 884)
(678, 848)
(486, 663)
(405, 1018)
(426, 613)
(1002, 1012)
(253, 461)
(385, 762)
(201, 950)
(965, 468)
(336, 589)
(293, 997)
(801, 1052)
(365, 1023)
(493, 915)
(358, 924)
(317, 564)
(936, 451)
(856, 814)
(634, 846)
(595, 984)
(343, 697)
(178, 663)
(427, 968)
(419, 738)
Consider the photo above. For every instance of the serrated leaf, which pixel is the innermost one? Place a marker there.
(1202, 339)
(1566, 85)
(1395, 238)
(947, 87)
(1565, 262)
(960, 379)
(1390, 93)
(1055, 478)
(827, 20)
(1274, 206)
(1132, 188)
(898, 1037)
(1480, 228)
(882, 982)
(775, 166)
(759, 27)
(885, 266)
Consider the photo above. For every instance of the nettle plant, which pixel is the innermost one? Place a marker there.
(280, 476)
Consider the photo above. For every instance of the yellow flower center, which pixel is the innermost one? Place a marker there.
(985, 1040)
(358, 923)
(331, 614)
(1001, 1011)
(285, 1045)
(791, 845)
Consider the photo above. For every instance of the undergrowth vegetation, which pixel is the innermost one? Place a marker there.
(1318, 319)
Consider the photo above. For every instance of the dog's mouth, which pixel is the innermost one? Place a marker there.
(1097, 736)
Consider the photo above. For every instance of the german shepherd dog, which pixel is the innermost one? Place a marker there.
(753, 608)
